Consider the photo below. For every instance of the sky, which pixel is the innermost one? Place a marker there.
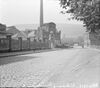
(14, 12)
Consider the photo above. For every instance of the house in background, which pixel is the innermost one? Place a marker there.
(16, 33)
(5, 38)
(2, 27)
(13, 30)
(20, 34)
(46, 33)
(3, 32)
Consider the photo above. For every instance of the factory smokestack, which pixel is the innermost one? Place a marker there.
(41, 13)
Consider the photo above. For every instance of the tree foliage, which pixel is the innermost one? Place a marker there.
(87, 11)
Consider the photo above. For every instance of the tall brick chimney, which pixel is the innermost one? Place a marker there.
(41, 13)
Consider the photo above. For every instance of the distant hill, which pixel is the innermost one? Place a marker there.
(70, 30)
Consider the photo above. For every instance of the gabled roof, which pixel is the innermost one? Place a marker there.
(13, 30)
(20, 34)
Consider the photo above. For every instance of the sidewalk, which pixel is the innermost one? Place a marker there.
(9, 54)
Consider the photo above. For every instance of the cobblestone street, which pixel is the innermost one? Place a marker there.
(55, 68)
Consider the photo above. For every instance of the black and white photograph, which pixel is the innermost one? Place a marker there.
(49, 43)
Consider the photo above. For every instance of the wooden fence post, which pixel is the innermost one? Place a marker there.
(20, 43)
(28, 39)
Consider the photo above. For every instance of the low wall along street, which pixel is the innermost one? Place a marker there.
(94, 39)
(20, 44)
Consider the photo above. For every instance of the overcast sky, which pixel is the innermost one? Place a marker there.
(14, 12)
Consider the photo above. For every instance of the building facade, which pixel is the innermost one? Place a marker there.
(48, 33)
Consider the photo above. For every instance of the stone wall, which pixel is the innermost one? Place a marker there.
(94, 39)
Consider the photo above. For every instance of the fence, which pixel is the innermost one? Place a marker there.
(9, 44)
(4, 44)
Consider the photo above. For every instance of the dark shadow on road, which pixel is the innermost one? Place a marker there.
(13, 59)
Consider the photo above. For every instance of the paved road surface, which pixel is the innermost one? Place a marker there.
(69, 68)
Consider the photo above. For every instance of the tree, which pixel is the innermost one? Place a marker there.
(87, 11)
